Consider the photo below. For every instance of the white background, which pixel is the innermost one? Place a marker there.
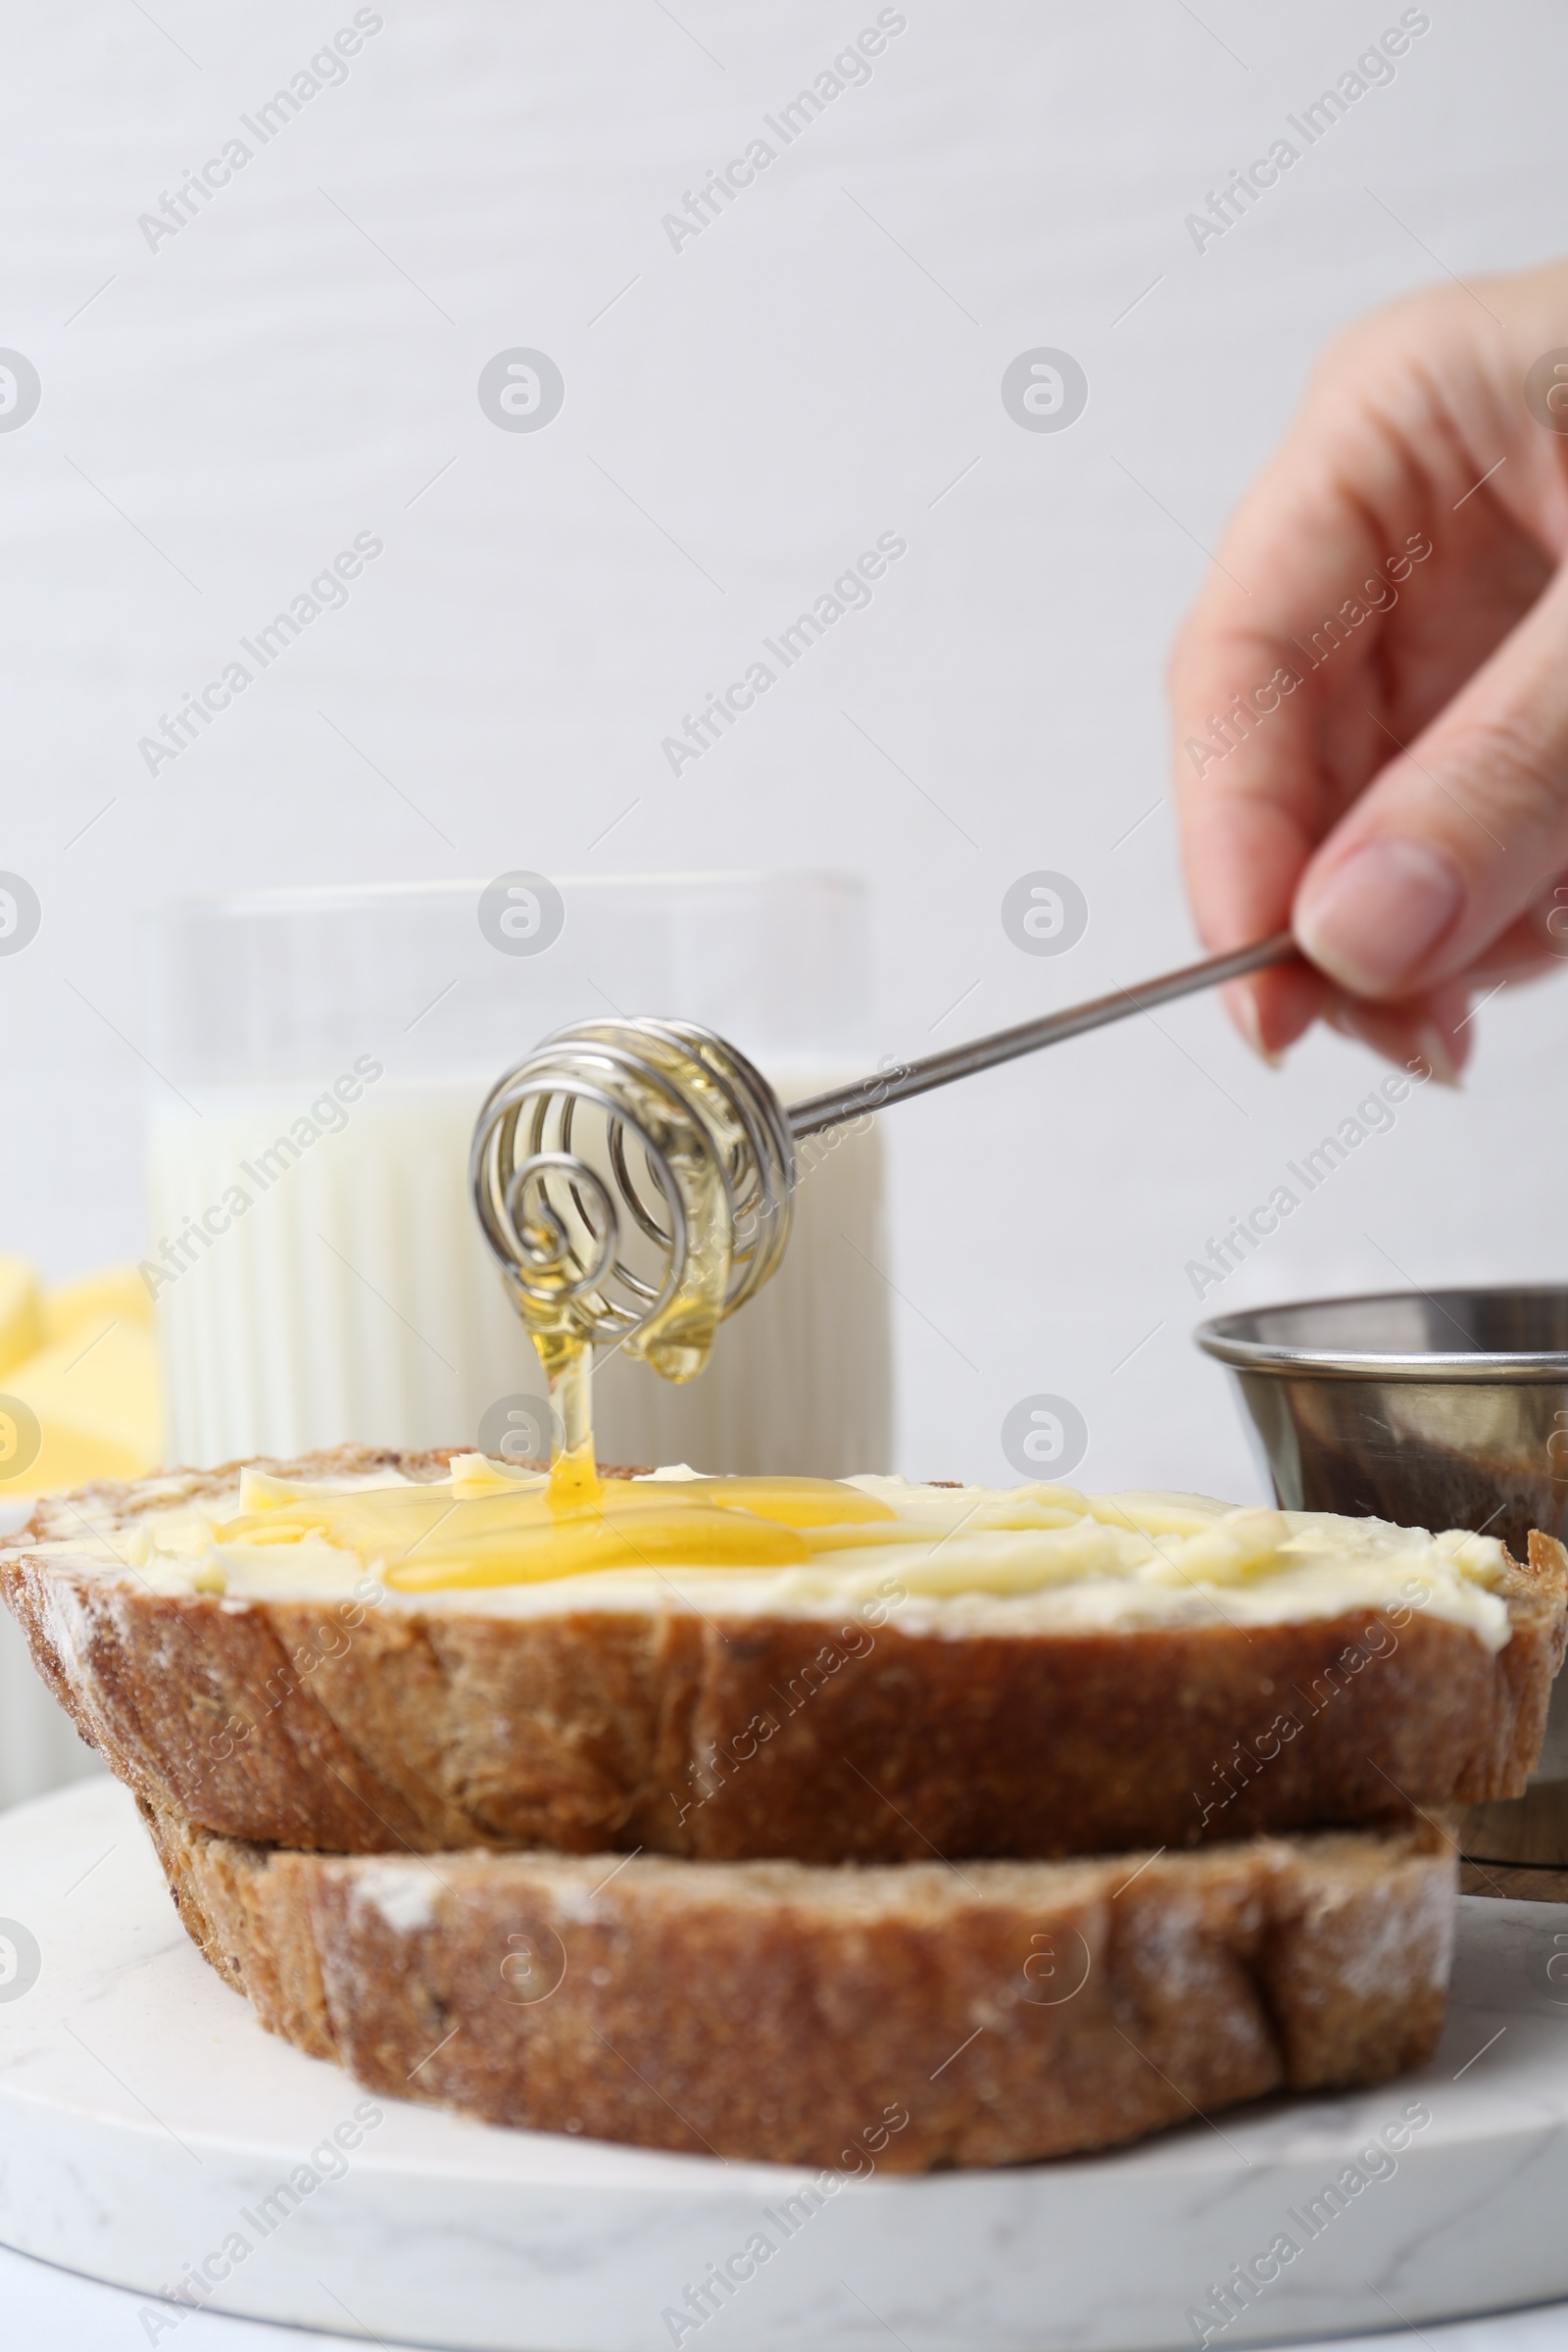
(817, 367)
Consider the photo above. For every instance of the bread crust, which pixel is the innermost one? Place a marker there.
(734, 1736)
(1008, 2011)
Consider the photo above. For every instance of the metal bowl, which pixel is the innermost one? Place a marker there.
(1432, 1408)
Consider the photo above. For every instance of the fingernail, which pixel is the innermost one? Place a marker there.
(1245, 1006)
(1371, 919)
(1437, 1052)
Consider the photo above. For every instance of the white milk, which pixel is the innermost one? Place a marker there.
(353, 1298)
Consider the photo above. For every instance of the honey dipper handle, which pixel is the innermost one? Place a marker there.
(1006, 1045)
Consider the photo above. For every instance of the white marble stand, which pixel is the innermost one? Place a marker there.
(144, 2118)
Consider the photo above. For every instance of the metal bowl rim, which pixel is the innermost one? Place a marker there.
(1280, 1359)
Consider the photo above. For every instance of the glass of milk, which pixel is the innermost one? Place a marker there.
(321, 1056)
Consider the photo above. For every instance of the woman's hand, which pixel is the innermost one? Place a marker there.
(1370, 695)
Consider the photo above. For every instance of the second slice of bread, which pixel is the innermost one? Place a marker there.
(897, 2017)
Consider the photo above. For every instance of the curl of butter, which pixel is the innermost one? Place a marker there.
(1229, 1551)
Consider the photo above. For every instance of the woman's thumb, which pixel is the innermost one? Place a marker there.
(1460, 832)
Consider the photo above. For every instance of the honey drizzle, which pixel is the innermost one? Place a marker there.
(677, 1339)
(574, 1481)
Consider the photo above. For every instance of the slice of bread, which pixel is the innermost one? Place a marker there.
(949, 1727)
(901, 2016)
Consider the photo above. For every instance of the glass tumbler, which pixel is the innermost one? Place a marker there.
(321, 1058)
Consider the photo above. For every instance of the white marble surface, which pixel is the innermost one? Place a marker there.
(47, 2310)
(142, 2112)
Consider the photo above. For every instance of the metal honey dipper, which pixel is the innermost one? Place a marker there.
(635, 1178)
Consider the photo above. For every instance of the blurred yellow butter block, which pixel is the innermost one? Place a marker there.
(79, 1379)
(117, 1295)
(21, 1313)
